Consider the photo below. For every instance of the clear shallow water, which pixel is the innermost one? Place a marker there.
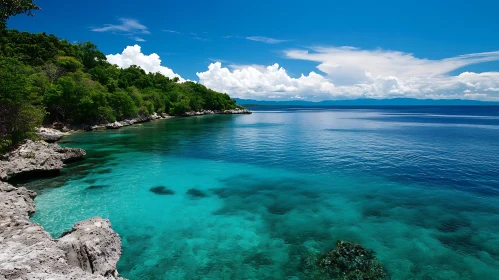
(420, 186)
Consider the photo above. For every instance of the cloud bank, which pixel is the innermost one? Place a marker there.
(354, 73)
(132, 55)
(262, 82)
(344, 73)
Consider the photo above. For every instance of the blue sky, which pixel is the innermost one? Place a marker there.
(344, 49)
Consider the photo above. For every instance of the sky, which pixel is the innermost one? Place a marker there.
(286, 50)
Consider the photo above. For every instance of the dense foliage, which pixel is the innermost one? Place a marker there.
(43, 77)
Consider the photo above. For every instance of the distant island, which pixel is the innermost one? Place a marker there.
(368, 102)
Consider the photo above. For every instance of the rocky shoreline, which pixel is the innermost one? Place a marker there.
(37, 158)
(90, 250)
(58, 130)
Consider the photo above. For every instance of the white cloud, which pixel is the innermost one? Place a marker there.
(264, 39)
(262, 82)
(132, 55)
(127, 25)
(356, 62)
(139, 39)
(354, 73)
(172, 31)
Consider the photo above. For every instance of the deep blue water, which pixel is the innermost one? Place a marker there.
(251, 195)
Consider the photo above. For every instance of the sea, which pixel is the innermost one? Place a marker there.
(250, 196)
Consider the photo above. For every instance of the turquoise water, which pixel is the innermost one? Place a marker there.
(247, 197)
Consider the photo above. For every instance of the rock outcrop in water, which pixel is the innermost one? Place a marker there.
(348, 261)
(36, 158)
(89, 251)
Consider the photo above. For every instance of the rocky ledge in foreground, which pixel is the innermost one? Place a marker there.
(90, 250)
(37, 157)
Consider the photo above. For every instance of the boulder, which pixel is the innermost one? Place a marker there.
(154, 116)
(97, 127)
(114, 125)
(37, 157)
(50, 135)
(93, 246)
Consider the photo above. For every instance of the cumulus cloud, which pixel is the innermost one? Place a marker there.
(255, 81)
(132, 55)
(348, 72)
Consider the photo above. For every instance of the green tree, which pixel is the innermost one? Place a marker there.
(10, 8)
(90, 56)
(20, 115)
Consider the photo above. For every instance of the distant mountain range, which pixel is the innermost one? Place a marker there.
(369, 102)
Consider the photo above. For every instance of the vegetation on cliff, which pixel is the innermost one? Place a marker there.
(44, 78)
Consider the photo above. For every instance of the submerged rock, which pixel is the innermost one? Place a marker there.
(161, 190)
(37, 157)
(195, 193)
(97, 187)
(89, 251)
(348, 261)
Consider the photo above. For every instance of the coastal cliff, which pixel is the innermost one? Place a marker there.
(90, 250)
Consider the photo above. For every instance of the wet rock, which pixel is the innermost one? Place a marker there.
(27, 251)
(98, 127)
(114, 125)
(154, 116)
(161, 190)
(37, 157)
(50, 135)
(350, 261)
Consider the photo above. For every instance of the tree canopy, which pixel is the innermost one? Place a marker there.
(45, 78)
